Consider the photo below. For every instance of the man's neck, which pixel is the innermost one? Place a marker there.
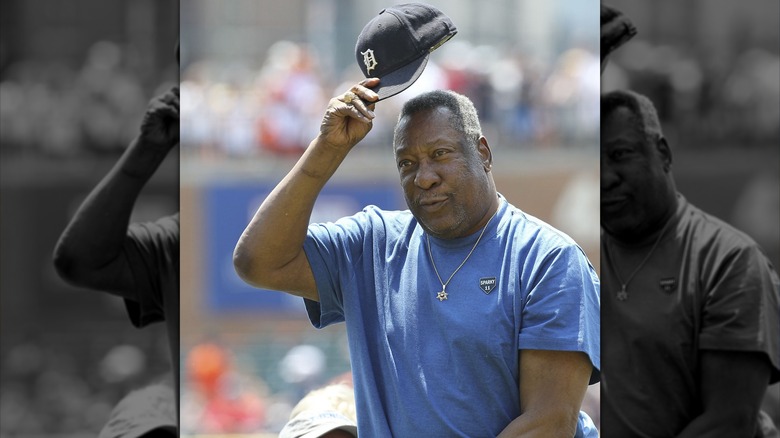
(649, 235)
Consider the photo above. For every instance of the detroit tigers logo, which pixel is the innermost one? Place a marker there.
(369, 60)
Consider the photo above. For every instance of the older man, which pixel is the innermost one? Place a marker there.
(465, 316)
(690, 304)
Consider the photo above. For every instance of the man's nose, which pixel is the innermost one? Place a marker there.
(427, 176)
(609, 176)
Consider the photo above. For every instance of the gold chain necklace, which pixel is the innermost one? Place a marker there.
(622, 295)
(443, 294)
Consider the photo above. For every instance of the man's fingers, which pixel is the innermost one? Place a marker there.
(168, 107)
(355, 109)
(364, 93)
(369, 82)
(351, 104)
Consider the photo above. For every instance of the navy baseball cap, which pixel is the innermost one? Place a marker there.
(395, 45)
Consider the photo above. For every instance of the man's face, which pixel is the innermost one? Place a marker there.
(635, 183)
(444, 176)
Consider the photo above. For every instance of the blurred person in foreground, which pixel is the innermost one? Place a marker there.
(328, 412)
(101, 250)
(462, 302)
(690, 305)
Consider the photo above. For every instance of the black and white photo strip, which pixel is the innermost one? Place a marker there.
(257, 79)
(90, 198)
(483, 218)
(690, 214)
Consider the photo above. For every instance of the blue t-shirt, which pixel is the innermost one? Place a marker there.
(449, 368)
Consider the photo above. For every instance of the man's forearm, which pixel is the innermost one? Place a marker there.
(714, 426)
(732, 386)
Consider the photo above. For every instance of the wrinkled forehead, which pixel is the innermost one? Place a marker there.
(422, 125)
(621, 128)
(620, 120)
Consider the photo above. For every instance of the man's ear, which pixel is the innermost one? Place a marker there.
(665, 152)
(485, 154)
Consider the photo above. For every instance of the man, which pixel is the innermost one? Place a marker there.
(691, 328)
(139, 262)
(465, 316)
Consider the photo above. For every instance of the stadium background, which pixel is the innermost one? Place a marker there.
(67, 355)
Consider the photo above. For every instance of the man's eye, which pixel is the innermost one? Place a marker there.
(439, 152)
(404, 163)
(619, 154)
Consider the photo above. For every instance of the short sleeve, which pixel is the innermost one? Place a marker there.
(741, 310)
(561, 307)
(333, 250)
(152, 250)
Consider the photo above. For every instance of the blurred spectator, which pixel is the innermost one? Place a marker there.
(293, 91)
(325, 412)
(231, 113)
(52, 384)
(220, 398)
(86, 109)
(254, 383)
(303, 367)
(730, 102)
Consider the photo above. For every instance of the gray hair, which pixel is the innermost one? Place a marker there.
(645, 116)
(464, 115)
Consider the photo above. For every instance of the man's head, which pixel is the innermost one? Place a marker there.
(444, 163)
(637, 189)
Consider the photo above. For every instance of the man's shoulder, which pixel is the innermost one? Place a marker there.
(713, 232)
(370, 220)
(377, 216)
(526, 226)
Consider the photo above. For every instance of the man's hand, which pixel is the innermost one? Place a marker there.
(349, 117)
(160, 126)
(616, 29)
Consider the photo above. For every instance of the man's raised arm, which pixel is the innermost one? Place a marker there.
(269, 253)
(90, 252)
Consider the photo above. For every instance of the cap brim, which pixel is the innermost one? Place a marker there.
(401, 79)
(325, 428)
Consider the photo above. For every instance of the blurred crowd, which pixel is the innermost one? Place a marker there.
(61, 109)
(67, 384)
(243, 110)
(252, 385)
(705, 99)
(240, 111)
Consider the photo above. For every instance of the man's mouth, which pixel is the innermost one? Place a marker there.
(613, 201)
(432, 203)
